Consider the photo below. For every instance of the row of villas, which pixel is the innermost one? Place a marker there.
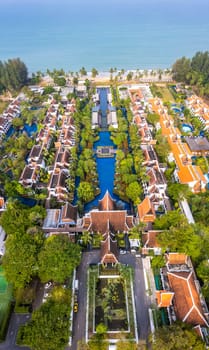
(182, 152)
(155, 187)
(65, 139)
(179, 291)
(199, 109)
(12, 111)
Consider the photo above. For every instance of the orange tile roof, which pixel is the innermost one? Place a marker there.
(146, 211)
(149, 239)
(186, 301)
(187, 173)
(176, 258)
(164, 298)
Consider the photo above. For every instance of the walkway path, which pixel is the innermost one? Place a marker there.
(15, 322)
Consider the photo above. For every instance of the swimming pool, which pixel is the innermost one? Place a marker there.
(187, 128)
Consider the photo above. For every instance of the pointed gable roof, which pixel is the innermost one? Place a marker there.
(109, 251)
(186, 301)
(146, 211)
(107, 203)
(69, 213)
(117, 221)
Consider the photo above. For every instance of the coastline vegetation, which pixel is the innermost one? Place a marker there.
(194, 71)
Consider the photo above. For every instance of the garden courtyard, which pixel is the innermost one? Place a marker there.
(111, 302)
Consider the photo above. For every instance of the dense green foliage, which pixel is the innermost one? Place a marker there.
(177, 336)
(58, 258)
(200, 207)
(24, 241)
(49, 327)
(20, 259)
(129, 157)
(85, 191)
(29, 254)
(19, 218)
(86, 164)
(193, 71)
(178, 235)
(13, 75)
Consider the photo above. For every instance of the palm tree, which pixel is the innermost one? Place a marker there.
(86, 238)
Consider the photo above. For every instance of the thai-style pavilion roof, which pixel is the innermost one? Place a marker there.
(107, 202)
(109, 251)
(69, 213)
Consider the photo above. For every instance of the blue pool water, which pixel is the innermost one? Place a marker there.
(176, 110)
(187, 128)
(29, 129)
(30, 202)
(105, 166)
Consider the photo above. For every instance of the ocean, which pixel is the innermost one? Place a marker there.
(126, 34)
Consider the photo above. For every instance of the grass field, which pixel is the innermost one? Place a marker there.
(167, 96)
(5, 302)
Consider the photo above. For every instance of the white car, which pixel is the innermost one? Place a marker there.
(122, 251)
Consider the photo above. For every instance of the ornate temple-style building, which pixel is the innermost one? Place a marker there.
(107, 218)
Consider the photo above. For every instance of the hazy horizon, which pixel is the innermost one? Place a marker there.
(126, 34)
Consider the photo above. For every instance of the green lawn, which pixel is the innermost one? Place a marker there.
(166, 94)
(5, 303)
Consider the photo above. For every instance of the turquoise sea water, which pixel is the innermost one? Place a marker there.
(125, 34)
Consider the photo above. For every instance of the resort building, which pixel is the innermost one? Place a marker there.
(59, 221)
(199, 109)
(181, 293)
(199, 146)
(146, 211)
(112, 117)
(109, 251)
(185, 172)
(150, 243)
(96, 117)
(107, 218)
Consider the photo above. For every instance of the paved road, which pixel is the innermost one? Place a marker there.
(142, 301)
(79, 324)
(15, 321)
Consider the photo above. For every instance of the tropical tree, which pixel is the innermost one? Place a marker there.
(203, 274)
(83, 71)
(20, 259)
(49, 326)
(134, 191)
(85, 191)
(58, 258)
(181, 238)
(178, 336)
(18, 218)
(127, 345)
(13, 74)
(94, 72)
(179, 191)
(86, 238)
